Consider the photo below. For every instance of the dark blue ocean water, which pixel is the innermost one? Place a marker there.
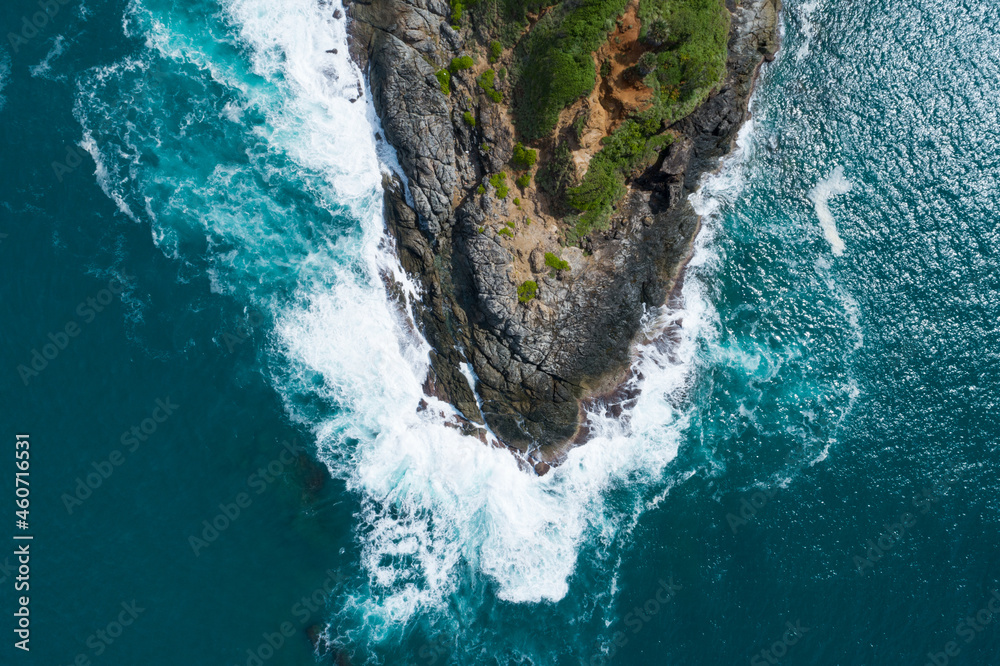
(221, 399)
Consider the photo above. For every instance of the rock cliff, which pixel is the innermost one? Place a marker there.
(533, 362)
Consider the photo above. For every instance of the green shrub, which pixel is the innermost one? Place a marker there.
(579, 124)
(694, 35)
(504, 20)
(487, 81)
(558, 173)
(496, 50)
(523, 158)
(506, 232)
(510, 224)
(626, 150)
(517, 202)
(469, 119)
(558, 66)
(444, 78)
(502, 73)
(457, 8)
(527, 291)
(647, 63)
(499, 183)
(481, 189)
(600, 188)
(481, 230)
(658, 32)
(555, 263)
(523, 180)
(461, 63)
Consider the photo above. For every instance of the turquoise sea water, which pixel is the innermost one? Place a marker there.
(809, 476)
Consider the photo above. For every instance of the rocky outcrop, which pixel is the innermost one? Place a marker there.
(533, 362)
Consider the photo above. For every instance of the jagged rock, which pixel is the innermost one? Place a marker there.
(678, 155)
(537, 260)
(417, 123)
(535, 363)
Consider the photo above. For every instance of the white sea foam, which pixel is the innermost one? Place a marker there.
(438, 508)
(45, 66)
(303, 91)
(806, 15)
(439, 505)
(101, 174)
(820, 195)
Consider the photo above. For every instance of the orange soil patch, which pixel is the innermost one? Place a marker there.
(616, 96)
(622, 92)
(613, 99)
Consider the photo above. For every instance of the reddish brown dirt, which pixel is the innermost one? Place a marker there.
(622, 92)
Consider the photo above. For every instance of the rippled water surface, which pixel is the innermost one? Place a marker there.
(809, 476)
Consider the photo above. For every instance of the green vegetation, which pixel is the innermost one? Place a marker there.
(457, 9)
(579, 124)
(502, 20)
(460, 63)
(481, 230)
(690, 36)
(648, 62)
(527, 291)
(558, 173)
(502, 73)
(510, 224)
(557, 67)
(517, 202)
(444, 78)
(658, 32)
(553, 66)
(469, 119)
(487, 81)
(555, 263)
(499, 183)
(523, 158)
(506, 232)
(481, 189)
(628, 149)
(691, 62)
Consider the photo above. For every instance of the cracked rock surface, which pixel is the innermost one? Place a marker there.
(534, 362)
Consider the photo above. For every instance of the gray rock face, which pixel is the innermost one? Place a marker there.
(675, 161)
(535, 362)
(536, 260)
(417, 122)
